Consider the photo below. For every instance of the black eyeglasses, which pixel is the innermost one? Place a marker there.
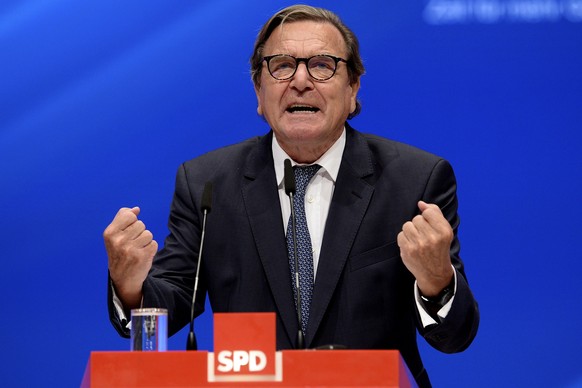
(321, 67)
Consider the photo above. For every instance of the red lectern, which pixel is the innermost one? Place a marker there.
(244, 355)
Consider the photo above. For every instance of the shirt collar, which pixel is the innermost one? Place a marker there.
(330, 161)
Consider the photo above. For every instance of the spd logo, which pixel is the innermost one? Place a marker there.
(228, 361)
(244, 348)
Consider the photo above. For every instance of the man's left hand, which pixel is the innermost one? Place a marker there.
(425, 244)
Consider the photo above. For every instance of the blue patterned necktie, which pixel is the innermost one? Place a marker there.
(303, 175)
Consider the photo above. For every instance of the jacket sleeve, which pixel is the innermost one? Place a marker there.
(456, 332)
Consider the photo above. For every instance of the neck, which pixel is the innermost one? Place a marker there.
(306, 153)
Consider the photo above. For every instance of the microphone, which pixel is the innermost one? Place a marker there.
(205, 206)
(290, 191)
(289, 179)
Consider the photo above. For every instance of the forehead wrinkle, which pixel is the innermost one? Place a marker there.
(317, 39)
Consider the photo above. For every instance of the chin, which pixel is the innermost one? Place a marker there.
(304, 134)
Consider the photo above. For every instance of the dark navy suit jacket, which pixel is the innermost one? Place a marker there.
(363, 295)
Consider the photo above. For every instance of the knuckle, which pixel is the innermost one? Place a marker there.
(129, 252)
(432, 240)
(117, 240)
(152, 249)
(114, 241)
(421, 246)
(107, 233)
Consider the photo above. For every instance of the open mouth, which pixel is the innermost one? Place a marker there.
(302, 109)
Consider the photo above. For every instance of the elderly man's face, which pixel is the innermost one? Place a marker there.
(306, 115)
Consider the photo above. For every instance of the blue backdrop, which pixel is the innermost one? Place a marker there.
(100, 101)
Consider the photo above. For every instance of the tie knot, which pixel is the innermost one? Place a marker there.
(303, 175)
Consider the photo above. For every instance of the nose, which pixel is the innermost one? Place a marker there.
(301, 79)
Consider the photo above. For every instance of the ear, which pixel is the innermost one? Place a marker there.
(259, 105)
(354, 95)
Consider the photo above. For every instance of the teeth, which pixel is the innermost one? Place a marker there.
(302, 108)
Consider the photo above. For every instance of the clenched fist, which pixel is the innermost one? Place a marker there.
(425, 244)
(131, 249)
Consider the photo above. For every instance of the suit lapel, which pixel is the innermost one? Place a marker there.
(350, 201)
(261, 199)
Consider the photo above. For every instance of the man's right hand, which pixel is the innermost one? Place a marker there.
(131, 249)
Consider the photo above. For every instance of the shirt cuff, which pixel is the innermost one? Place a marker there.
(119, 309)
(425, 318)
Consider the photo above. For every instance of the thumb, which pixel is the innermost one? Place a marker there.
(422, 206)
(135, 210)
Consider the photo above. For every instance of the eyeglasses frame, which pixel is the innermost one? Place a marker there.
(304, 60)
